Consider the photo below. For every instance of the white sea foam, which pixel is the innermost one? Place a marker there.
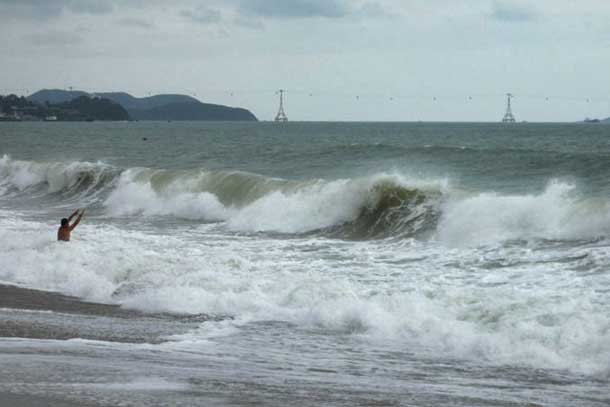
(132, 197)
(535, 314)
(56, 176)
(467, 295)
(312, 207)
(144, 384)
(556, 213)
(294, 209)
(249, 203)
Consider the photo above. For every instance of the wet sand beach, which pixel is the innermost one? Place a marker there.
(23, 298)
(34, 314)
(20, 400)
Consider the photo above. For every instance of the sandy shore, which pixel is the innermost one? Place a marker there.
(23, 298)
(27, 313)
(20, 400)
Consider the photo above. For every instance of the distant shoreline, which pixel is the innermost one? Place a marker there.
(602, 123)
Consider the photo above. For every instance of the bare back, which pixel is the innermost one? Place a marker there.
(63, 233)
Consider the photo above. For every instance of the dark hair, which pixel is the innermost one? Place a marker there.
(64, 222)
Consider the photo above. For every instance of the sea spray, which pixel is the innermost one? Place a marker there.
(556, 213)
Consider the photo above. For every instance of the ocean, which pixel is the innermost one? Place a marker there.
(305, 264)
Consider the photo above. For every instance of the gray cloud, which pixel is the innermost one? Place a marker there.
(249, 23)
(245, 13)
(512, 13)
(36, 9)
(53, 38)
(372, 10)
(46, 9)
(294, 8)
(202, 15)
(90, 6)
(136, 23)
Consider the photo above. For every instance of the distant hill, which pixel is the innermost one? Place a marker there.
(131, 102)
(55, 96)
(88, 108)
(192, 111)
(158, 107)
(82, 108)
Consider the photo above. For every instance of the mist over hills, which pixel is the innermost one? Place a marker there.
(158, 107)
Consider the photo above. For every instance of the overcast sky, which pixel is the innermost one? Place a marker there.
(396, 60)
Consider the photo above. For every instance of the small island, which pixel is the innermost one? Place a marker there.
(588, 120)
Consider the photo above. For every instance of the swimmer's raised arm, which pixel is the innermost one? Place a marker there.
(82, 212)
(73, 215)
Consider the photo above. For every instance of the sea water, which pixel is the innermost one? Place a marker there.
(340, 263)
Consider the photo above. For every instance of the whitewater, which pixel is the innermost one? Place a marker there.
(307, 263)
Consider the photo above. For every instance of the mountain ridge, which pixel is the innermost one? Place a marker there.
(157, 107)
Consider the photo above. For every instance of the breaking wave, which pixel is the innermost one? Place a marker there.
(546, 309)
(376, 206)
(75, 181)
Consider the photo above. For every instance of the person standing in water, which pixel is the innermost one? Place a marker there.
(64, 230)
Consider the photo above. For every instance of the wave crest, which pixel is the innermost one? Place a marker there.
(377, 206)
(363, 207)
(76, 179)
(557, 213)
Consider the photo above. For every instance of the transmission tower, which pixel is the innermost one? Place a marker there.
(508, 116)
(281, 116)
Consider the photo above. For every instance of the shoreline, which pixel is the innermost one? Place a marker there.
(15, 297)
(8, 399)
(35, 314)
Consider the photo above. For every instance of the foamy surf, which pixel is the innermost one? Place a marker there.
(376, 206)
(273, 281)
(366, 267)
(557, 213)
